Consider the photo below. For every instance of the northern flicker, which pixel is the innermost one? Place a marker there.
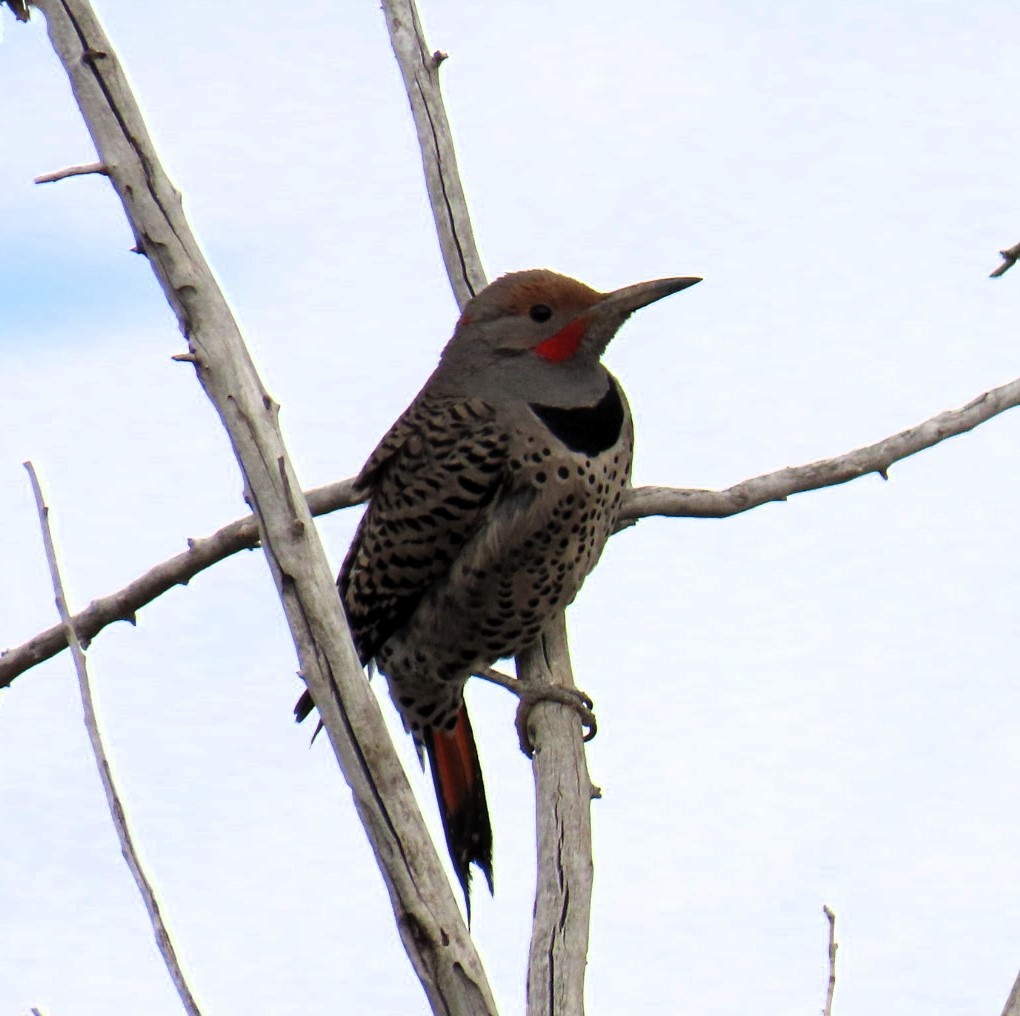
(490, 500)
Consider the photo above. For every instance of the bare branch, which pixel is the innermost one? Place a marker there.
(420, 68)
(563, 894)
(563, 796)
(1009, 258)
(62, 174)
(127, 846)
(638, 503)
(831, 918)
(1012, 1007)
(778, 486)
(177, 571)
(430, 924)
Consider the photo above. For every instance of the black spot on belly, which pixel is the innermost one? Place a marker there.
(587, 429)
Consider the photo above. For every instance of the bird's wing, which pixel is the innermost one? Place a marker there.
(433, 481)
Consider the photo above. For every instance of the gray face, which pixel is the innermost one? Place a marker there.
(538, 336)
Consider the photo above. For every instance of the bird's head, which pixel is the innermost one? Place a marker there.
(534, 330)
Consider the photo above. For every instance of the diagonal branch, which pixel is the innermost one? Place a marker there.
(427, 914)
(778, 486)
(1009, 258)
(127, 845)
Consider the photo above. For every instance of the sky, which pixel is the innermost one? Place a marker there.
(809, 704)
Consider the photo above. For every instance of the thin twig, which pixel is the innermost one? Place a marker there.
(831, 918)
(113, 800)
(1009, 258)
(91, 168)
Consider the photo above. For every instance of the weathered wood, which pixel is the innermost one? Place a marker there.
(427, 914)
(563, 793)
(557, 790)
(164, 942)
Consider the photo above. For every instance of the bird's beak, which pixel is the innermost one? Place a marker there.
(625, 301)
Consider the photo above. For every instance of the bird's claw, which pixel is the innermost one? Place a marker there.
(530, 695)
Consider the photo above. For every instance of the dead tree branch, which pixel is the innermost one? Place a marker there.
(177, 571)
(639, 503)
(1012, 1007)
(778, 486)
(557, 960)
(1009, 258)
(831, 988)
(113, 801)
(92, 168)
(563, 796)
(420, 69)
(427, 914)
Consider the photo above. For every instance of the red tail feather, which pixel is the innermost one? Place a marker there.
(461, 793)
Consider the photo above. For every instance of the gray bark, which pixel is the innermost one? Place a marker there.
(429, 920)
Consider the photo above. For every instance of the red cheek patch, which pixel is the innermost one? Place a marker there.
(564, 343)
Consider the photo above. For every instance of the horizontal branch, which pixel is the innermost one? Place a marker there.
(92, 168)
(640, 502)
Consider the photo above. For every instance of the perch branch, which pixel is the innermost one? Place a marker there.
(1009, 258)
(638, 503)
(127, 846)
(427, 914)
(831, 988)
(559, 946)
(62, 174)
(563, 795)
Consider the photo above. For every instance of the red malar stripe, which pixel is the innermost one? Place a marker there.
(564, 343)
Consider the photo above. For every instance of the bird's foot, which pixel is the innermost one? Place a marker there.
(531, 694)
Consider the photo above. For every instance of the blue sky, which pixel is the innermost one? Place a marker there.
(808, 704)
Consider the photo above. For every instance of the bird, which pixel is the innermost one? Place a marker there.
(490, 499)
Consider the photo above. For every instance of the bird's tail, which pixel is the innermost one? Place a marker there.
(457, 775)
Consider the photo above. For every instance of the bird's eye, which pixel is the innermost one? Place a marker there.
(540, 312)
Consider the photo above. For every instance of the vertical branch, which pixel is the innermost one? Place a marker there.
(831, 988)
(427, 914)
(563, 791)
(420, 70)
(127, 846)
(559, 934)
